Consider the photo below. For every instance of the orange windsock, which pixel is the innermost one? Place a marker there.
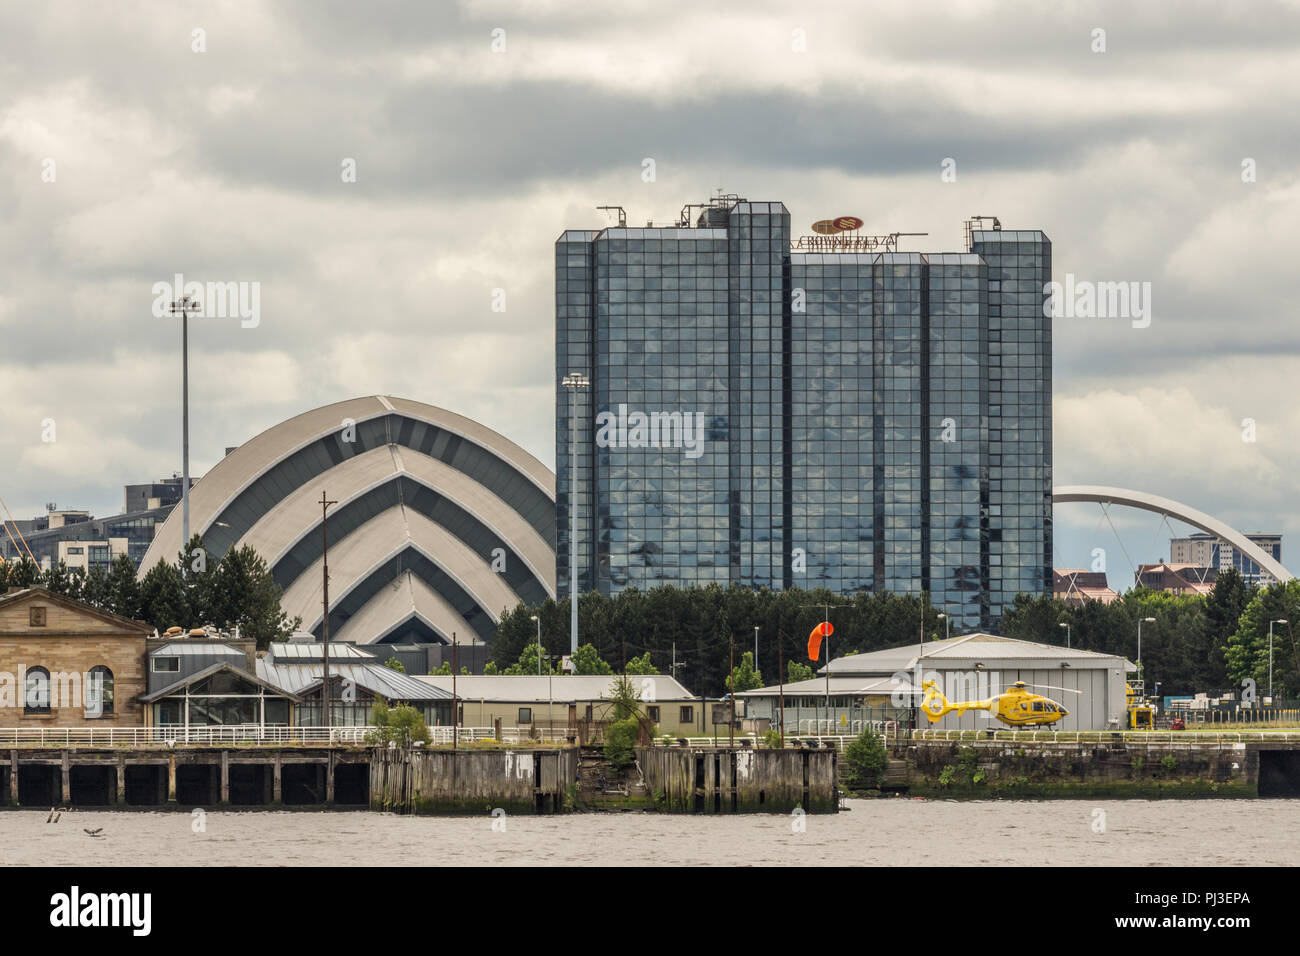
(824, 629)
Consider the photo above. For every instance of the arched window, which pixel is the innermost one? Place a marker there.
(36, 693)
(99, 692)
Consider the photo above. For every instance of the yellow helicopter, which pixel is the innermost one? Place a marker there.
(1018, 707)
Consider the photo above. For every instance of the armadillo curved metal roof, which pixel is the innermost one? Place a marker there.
(440, 521)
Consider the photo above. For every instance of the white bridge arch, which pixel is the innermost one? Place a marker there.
(1101, 494)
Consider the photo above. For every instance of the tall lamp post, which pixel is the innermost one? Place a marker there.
(1280, 620)
(183, 307)
(1149, 620)
(539, 644)
(573, 382)
(1067, 632)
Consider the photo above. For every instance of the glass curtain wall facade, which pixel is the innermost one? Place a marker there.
(866, 422)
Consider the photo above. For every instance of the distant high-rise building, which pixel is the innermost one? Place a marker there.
(824, 413)
(1207, 551)
(82, 541)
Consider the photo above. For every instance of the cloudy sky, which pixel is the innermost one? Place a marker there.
(127, 156)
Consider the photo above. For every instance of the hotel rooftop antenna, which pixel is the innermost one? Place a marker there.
(622, 214)
(970, 228)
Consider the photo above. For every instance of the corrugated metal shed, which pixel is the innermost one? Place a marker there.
(853, 686)
(181, 648)
(299, 678)
(299, 651)
(972, 648)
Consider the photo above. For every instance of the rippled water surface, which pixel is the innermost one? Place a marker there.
(1136, 832)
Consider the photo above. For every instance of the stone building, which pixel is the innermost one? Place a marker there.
(68, 664)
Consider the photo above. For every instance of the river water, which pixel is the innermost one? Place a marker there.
(873, 832)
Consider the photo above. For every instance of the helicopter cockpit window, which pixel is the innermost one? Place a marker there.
(1038, 706)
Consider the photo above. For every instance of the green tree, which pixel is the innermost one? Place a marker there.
(641, 665)
(162, 596)
(94, 590)
(796, 672)
(23, 573)
(394, 664)
(1247, 653)
(744, 677)
(529, 662)
(623, 695)
(57, 579)
(248, 596)
(587, 661)
(865, 759)
(621, 738)
(123, 591)
(402, 725)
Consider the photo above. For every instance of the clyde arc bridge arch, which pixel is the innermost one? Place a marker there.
(1167, 507)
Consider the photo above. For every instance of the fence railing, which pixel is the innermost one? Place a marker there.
(254, 734)
(1108, 736)
(170, 736)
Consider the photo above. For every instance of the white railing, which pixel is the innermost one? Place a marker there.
(1106, 736)
(509, 735)
(752, 740)
(170, 736)
(247, 734)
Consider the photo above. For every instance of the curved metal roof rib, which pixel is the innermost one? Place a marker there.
(427, 503)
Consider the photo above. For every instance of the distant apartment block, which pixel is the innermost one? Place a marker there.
(1207, 551)
(82, 541)
(1075, 586)
(1177, 578)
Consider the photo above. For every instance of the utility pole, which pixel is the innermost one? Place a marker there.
(325, 588)
(183, 307)
(780, 676)
(455, 701)
(732, 727)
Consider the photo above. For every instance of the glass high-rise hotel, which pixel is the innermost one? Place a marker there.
(768, 416)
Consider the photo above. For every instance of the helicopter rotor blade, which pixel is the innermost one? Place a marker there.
(1068, 690)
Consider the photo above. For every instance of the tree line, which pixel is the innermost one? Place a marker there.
(1195, 644)
(236, 590)
(693, 627)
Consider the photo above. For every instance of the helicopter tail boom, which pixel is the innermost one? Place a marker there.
(935, 705)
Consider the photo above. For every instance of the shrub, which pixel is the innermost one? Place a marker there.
(402, 725)
(865, 759)
(620, 739)
(772, 739)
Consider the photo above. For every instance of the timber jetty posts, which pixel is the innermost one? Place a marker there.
(416, 780)
(678, 780)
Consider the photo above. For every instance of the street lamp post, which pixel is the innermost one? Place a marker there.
(1280, 620)
(1149, 620)
(183, 307)
(1067, 633)
(573, 382)
(539, 644)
